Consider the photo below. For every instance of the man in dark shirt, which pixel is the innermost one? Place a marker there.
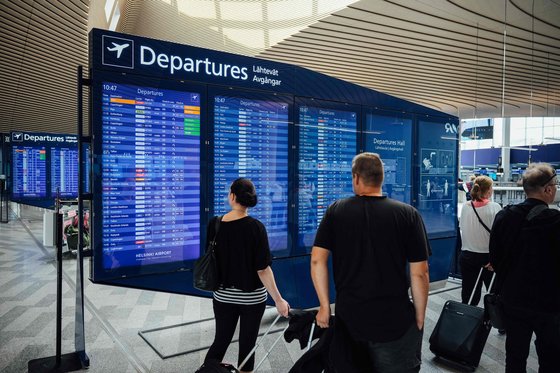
(525, 253)
(372, 238)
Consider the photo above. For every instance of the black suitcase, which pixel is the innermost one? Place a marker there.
(461, 333)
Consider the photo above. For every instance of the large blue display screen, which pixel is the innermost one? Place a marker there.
(437, 201)
(251, 140)
(150, 175)
(64, 171)
(327, 144)
(390, 136)
(29, 171)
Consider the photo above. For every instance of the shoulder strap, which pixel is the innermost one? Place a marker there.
(535, 211)
(217, 226)
(479, 219)
(212, 244)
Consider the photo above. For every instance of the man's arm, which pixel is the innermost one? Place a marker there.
(320, 277)
(419, 285)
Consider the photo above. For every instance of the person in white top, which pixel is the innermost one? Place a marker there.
(476, 237)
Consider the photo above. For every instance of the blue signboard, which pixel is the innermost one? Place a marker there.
(155, 58)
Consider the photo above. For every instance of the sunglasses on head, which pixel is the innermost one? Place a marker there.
(550, 178)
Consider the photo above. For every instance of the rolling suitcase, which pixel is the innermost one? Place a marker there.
(461, 332)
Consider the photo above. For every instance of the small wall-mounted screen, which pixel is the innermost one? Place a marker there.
(150, 175)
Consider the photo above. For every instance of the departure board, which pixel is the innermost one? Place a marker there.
(251, 140)
(64, 171)
(150, 175)
(29, 167)
(327, 145)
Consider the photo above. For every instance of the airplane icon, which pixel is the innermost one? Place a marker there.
(17, 136)
(118, 47)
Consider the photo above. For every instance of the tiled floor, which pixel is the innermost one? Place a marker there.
(114, 316)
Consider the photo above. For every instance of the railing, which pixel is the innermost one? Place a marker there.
(507, 195)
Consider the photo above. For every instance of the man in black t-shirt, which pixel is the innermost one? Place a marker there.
(372, 239)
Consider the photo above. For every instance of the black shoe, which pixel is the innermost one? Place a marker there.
(501, 331)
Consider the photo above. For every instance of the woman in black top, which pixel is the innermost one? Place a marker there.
(243, 258)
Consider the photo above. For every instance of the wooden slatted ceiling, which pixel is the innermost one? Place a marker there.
(41, 44)
(429, 52)
(445, 54)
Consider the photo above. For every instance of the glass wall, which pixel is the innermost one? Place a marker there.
(522, 131)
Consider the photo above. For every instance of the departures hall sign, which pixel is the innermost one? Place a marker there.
(131, 54)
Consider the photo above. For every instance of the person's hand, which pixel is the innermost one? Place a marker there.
(489, 267)
(323, 316)
(283, 307)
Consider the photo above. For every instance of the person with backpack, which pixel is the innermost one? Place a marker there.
(525, 253)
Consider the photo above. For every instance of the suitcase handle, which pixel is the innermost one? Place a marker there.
(258, 344)
(478, 279)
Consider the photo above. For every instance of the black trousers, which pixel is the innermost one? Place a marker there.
(227, 316)
(471, 263)
(521, 324)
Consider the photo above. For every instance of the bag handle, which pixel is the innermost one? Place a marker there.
(479, 219)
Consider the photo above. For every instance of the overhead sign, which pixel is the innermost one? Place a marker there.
(131, 54)
(39, 137)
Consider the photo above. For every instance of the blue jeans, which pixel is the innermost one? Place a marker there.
(399, 356)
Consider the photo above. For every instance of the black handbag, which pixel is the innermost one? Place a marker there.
(205, 271)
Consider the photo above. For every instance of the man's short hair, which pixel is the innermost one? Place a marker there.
(369, 167)
(535, 176)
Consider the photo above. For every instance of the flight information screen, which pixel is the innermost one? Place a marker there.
(29, 171)
(150, 175)
(327, 144)
(64, 171)
(390, 136)
(251, 140)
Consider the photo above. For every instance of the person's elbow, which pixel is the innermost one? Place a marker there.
(319, 256)
(420, 271)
